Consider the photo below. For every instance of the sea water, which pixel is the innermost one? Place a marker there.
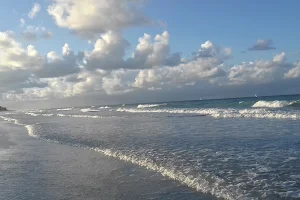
(242, 148)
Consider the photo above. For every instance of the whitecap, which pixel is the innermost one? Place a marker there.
(272, 104)
(222, 113)
(89, 110)
(150, 105)
(64, 109)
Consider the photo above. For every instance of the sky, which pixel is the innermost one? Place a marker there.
(56, 53)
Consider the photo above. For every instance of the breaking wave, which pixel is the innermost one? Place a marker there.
(39, 114)
(197, 181)
(65, 109)
(85, 116)
(104, 107)
(15, 121)
(273, 104)
(63, 115)
(150, 105)
(89, 110)
(222, 113)
(204, 182)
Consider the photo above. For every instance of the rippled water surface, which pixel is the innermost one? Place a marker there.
(231, 149)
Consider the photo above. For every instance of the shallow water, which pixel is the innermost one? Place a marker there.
(228, 151)
(34, 169)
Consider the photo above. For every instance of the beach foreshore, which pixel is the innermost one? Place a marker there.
(34, 169)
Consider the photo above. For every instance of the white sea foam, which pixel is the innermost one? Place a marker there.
(222, 113)
(80, 116)
(89, 110)
(34, 110)
(201, 182)
(32, 114)
(64, 115)
(104, 107)
(30, 130)
(15, 121)
(39, 114)
(198, 183)
(272, 104)
(150, 105)
(85, 116)
(65, 109)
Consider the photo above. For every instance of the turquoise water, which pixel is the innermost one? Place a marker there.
(243, 148)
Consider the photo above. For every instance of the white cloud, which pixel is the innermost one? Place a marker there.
(108, 52)
(22, 68)
(205, 67)
(13, 56)
(34, 10)
(108, 69)
(183, 74)
(59, 67)
(110, 49)
(91, 17)
(149, 54)
(294, 72)
(258, 72)
(17, 65)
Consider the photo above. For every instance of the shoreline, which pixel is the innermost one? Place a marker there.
(82, 173)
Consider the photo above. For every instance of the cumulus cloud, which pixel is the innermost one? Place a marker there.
(24, 69)
(13, 56)
(108, 52)
(293, 72)
(91, 17)
(202, 68)
(208, 49)
(17, 65)
(34, 10)
(108, 69)
(262, 45)
(110, 49)
(58, 67)
(259, 71)
(155, 53)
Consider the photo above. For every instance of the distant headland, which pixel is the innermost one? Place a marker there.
(3, 108)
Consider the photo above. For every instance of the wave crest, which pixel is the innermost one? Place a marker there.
(222, 113)
(104, 107)
(64, 109)
(272, 104)
(89, 110)
(150, 105)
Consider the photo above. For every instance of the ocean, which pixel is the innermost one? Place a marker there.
(239, 148)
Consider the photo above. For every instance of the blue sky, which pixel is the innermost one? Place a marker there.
(237, 24)
(222, 34)
(233, 23)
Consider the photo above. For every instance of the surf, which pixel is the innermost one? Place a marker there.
(272, 104)
(89, 110)
(150, 105)
(222, 113)
(197, 182)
